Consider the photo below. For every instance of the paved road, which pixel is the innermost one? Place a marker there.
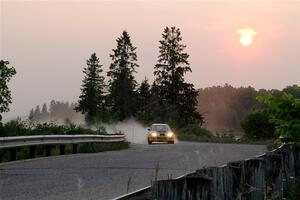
(107, 175)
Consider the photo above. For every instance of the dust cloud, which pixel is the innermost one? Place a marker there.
(134, 131)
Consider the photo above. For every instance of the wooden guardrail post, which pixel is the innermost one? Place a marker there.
(13, 154)
(62, 149)
(48, 150)
(74, 149)
(32, 151)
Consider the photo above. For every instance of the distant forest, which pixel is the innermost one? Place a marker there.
(56, 111)
(223, 107)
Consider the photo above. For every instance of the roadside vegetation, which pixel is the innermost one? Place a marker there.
(24, 128)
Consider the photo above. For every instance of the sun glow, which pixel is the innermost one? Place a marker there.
(246, 36)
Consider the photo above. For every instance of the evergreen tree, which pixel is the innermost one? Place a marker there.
(37, 112)
(169, 73)
(122, 85)
(144, 96)
(44, 112)
(31, 115)
(91, 100)
(6, 73)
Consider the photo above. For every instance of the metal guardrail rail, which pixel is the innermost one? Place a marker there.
(23, 141)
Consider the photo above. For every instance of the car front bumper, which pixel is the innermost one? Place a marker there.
(160, 139)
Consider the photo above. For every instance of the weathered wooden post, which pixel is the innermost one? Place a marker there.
(13, 154)
(32, 151)
(74, 149)
(62, 149)
(48, 150)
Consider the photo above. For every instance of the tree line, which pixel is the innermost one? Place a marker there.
(225, 106)
(168, 99)
(58, 111)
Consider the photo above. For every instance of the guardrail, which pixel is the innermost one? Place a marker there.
(13, 143)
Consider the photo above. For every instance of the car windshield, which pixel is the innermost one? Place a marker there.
(160, 127)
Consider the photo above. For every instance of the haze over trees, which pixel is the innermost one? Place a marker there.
(225, 106)
(58, 111)
(6, 72)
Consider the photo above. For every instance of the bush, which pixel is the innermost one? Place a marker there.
(21, 128)
(13, 128)
(284, 112)
(195, 129)
(256, 125)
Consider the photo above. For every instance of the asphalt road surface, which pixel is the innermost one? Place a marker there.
(109, 174)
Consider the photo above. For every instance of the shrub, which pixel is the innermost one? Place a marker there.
(21, 128)
(195, 129)
(256, 125)
(13, 127)
(284, 112)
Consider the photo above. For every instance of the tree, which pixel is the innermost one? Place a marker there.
(122, 85)
(37, 113)
(294, 90)
(256, 125)
(6, 73)
(169, 73)
(144, 96)
(92, 98)
(31, 115)
(44, 112)
(143, 100)
(284, 112)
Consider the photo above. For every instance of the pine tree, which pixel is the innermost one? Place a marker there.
(144, 96)
(44, 112)
(31, 115)
(91, 100)
(169, 73)
(37, 113)
(122, 85)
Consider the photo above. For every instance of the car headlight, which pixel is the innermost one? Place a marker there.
(170, 134)
(154, 134)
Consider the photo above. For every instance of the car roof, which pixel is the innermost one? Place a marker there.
(158, 124)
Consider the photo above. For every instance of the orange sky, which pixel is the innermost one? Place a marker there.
(49, 41)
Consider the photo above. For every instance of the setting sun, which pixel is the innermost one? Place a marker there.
(246, 40)
(246, 36)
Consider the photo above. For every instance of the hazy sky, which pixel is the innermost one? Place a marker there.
(48, 42)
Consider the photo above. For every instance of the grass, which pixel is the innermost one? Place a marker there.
(23, 153)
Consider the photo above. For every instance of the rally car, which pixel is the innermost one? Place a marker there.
(160, 133)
